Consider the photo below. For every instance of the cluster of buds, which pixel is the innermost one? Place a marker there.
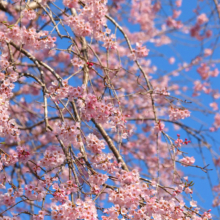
(179, 142)
(90, 64)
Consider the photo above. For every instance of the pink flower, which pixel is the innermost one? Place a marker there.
(188, 190)
(187, 161)
(29, 14)
(34, 192)
(214, 105)
(23, 154)
(159, 126)
(94, 144)
(110, 42)
(217, 120)
(179, 142)
(68, 132)
(176, 14)
(208, 52)
(203, 70)
(178, 113)
(77, 62)
(178, 3)
(71, 3)
(193, 203)
(172, 60)
(53, 156)
(139, 52)
(201, 19)
(173, 23)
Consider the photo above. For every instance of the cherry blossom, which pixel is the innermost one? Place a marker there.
(186, 161)
(91, 93)
(178, 113)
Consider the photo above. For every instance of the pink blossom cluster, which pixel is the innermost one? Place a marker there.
(77, 62)
(40, 215)
(69, 187)
(9, 160)
(23, 154)
(36, 168)
(76, 92)
(118, 120)
(172, 60)
(204, 71)
(216, 201)
(8, 198)
(127, 197)
(80, 25)
(158, 127)
(176, 13)
(29, 14)
(127, 203)
(172, 23)
(214, 106)
(187, 161)
(71, 3)
(97, 180)
(179, 142)
(178, 113)
(90, 22)
(216, 123)
(8, 127)
(91, 107)
(114, 212)
(29, 37)
(128, 178)
(56, 91)
(178, 189)
(208, 52)
(83, 210)
(109, 41)
(207, 215)
(53, 156)
(139, 52)
(187, 190)
(201, 19)
(68, 132)
(48, 180)
(195, 30)
(94, 144)
(34, 192)
(103, 162)
(199, 86)
(149, 12)
(9, 218)
(60, 194)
